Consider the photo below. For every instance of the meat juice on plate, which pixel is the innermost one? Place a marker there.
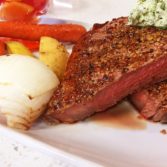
(22, 10)
(122, 116)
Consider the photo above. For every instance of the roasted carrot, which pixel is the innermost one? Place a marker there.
(31, 45)
(22, 30)
(2, 48)
(15, 10)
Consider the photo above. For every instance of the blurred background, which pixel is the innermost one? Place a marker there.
(81, 10)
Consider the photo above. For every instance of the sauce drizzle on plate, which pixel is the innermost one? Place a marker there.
(122, 116)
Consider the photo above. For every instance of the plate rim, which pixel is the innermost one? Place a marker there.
(65, 158)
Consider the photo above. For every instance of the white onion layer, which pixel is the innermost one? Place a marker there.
(26, 86)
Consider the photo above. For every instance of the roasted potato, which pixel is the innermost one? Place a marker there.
(14, 47)
(54, 55)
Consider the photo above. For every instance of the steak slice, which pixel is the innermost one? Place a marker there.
(152, 102)
(108, 63)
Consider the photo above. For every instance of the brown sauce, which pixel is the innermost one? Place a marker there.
(123, 116)
(3, 119)
(163, 131)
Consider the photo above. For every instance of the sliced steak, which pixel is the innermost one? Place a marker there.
(108, 63)
(152, 102)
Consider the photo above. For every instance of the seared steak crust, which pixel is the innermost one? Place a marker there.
(108, 63)
(152, 102)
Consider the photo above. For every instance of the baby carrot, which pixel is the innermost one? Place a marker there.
(22, 30)
(15, 10)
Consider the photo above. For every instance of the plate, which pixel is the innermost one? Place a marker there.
(117, 138)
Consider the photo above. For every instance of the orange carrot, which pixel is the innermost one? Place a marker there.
(22, 30)
(2, 48)
(15, 10)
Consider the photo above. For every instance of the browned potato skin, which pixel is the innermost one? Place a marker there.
(54, 55)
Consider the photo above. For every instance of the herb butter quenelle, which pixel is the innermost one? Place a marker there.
(149, 13)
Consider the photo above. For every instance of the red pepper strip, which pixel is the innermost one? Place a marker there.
(2, 48)
(32, 45)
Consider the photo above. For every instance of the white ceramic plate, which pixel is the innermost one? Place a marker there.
(118, 138)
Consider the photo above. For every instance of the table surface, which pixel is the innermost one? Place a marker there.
(14, 154)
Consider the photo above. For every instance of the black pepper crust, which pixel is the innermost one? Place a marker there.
(159, 91)
(152, 102)
(102, 56)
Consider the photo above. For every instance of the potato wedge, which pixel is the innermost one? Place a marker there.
(54, 55)
(14, 47)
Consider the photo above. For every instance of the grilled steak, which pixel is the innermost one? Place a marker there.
(108, 63)
(152, 102)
